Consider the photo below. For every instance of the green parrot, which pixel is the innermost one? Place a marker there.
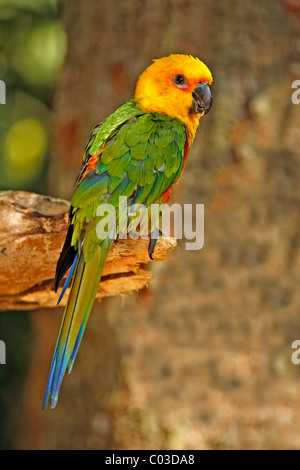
(139, 151)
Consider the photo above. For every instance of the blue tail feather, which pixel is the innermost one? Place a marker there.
(69, 277)
(62, 361)
(85, 277)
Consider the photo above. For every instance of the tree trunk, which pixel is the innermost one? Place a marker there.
(202, 358)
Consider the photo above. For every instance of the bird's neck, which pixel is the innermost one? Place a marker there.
(191, 123)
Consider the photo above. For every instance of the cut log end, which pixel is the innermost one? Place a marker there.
(32, 235)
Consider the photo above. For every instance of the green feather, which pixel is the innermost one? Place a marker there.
(163, 138)
(110, 126)
(138, 152)
(89, 188)
(117, 165)
(101, 168)
(113, 183)
(148, 163)
(131, 137)
(158, 188)
(149, 177)
(126, 188)
(113, 150)
(143, 193)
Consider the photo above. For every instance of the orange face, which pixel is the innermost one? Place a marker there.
(169, 86)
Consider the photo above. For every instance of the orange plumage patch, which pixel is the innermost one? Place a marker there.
(91, 165)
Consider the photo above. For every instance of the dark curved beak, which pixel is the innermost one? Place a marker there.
(202, 99)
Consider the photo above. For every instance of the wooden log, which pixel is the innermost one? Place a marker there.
(33, 229)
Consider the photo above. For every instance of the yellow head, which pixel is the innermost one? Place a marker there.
(177, 85)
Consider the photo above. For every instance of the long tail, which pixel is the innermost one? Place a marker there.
(83, 291)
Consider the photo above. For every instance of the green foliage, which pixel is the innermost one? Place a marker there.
(32, 49)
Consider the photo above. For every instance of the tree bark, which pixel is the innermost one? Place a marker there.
(34, 229)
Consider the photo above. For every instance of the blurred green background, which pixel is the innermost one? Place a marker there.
(32, 49)
(33, 45)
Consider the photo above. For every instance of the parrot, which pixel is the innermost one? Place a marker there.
(139, 151)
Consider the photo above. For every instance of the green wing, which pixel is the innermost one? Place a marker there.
(141, 156)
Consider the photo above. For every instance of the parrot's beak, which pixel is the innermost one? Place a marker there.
(202, 99)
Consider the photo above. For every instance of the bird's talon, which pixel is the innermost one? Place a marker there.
(153, 239)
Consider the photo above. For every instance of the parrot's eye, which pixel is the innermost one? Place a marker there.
(180, 81)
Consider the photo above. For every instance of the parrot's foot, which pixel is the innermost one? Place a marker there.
(153, 239)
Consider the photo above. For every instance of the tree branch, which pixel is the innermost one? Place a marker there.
(33, 229)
